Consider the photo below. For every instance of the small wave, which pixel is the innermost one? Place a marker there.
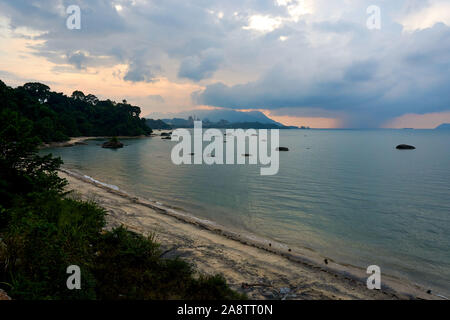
(111, 186)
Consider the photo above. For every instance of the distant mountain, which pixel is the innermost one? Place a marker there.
(216, 115)
(444, 126)
(157, 124)
(223, 124)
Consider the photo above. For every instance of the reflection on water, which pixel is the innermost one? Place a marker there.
(348, 194)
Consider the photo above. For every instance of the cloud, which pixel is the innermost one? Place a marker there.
(156, 98)
(141, 72)
(200, 66)
(375, 82)
(419, 16)
(78, 59)
(286, 55)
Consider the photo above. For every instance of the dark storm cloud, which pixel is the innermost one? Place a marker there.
(326, 60)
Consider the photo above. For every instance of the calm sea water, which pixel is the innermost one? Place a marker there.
(347, 194)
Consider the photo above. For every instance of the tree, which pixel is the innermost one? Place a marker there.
(78, 95)
(22, 170)
(55, 117)
(91, 99)
(37, 90)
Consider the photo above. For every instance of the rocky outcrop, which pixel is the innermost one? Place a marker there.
(112, 144)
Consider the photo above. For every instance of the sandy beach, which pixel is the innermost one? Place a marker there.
(81, 140)
(261, 269)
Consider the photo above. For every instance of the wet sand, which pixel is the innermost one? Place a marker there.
(261, 269)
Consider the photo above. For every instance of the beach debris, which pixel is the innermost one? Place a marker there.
(168, 251)
(246, 285)
(268, 295)
(285, 290)
(282, 149)
(405, 147)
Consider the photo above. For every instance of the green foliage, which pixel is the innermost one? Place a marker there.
(45, 236)
(55, 117)
(22, 171)
(129, 266)
(42, 232)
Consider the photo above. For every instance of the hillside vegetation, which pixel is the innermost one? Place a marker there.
(43, 230)
(56, 117)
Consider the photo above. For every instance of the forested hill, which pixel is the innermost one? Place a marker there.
(56, 117)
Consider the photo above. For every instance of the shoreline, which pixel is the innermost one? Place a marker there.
(252, 265)
(74, 141)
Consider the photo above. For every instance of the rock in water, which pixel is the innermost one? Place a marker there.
(282, 149)
(112, 144)
(405, 147)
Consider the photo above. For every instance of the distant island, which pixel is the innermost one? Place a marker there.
(219, 118)
(444, 126)
(157, 124)
(224, 124)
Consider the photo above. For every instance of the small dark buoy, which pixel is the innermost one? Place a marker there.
(326, 261)
(405, 147)
(282, 149)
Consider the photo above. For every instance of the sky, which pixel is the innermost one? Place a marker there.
(319, 63)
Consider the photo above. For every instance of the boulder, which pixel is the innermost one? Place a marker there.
(112, 144)
(405, 147)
